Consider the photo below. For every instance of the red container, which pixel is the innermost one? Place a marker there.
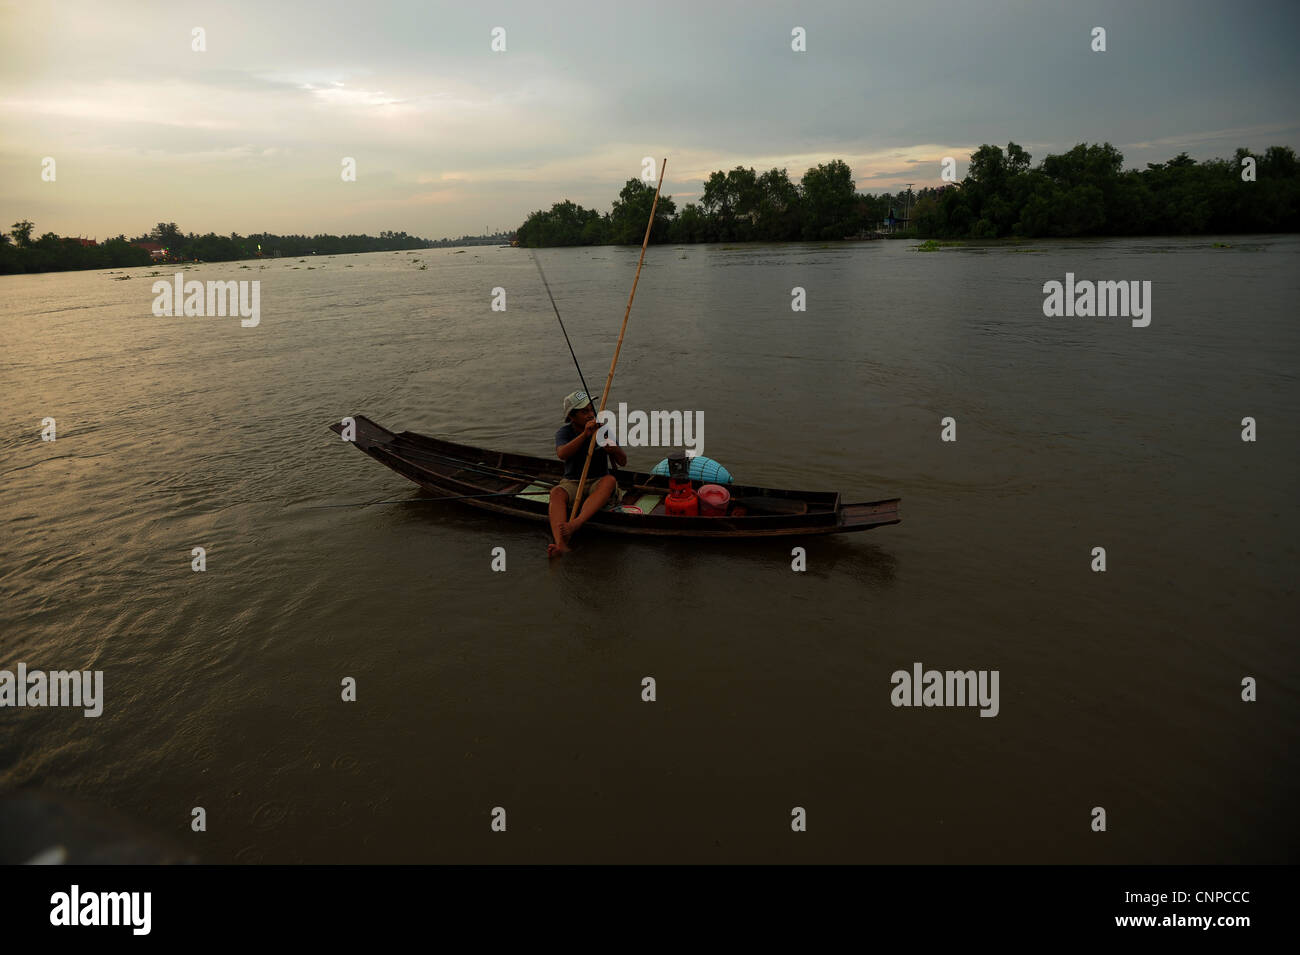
(714, 499)
(681, 500)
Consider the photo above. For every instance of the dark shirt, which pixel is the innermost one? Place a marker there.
(573, 466)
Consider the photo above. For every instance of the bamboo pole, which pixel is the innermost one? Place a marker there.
(609, 380)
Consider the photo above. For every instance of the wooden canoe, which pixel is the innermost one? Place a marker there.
(518, 485)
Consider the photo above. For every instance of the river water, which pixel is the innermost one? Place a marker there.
(523, 689)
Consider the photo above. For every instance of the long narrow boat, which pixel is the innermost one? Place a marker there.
(519, 485)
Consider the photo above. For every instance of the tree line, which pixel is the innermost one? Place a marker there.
(740, 205)
(1082, 192)
(1087, 192)
(19, 252)
(220, 248)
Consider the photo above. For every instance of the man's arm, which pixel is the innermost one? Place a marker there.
(566, 451)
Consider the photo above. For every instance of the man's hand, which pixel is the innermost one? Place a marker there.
(616, 454)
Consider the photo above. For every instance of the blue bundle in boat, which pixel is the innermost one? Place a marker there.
(702, 469)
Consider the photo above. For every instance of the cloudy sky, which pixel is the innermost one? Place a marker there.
(450, 137)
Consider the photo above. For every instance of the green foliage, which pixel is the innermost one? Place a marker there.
(731, 200)
(166, 233)
(778, 208)
(565, 224)
(22, 232)
(691, 225)
(632, 211)
(741, 205)
(215, 248)
(828, 199)
(52, 253)
(1085, 191)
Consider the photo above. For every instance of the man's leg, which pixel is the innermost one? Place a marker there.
(558, 513)
(596, 499)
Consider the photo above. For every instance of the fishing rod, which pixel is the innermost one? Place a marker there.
(585, 390)
(547, 286)
(502, 471)
(415, 500)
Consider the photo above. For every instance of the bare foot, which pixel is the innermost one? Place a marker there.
(568, 529)
(556, 550)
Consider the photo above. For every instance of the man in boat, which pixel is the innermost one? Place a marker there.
(571, 442)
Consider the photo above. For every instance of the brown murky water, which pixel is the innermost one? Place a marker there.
(523, 689)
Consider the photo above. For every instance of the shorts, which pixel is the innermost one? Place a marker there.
(570, 487)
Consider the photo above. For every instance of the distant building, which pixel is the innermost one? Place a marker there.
(85, 241)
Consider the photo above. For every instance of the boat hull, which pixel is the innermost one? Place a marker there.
(516, 487)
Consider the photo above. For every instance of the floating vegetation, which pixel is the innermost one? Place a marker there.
(459, 252)
(122, 278)
(347, 266)
(422, 268)
(1222, 245)
(929, 245)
